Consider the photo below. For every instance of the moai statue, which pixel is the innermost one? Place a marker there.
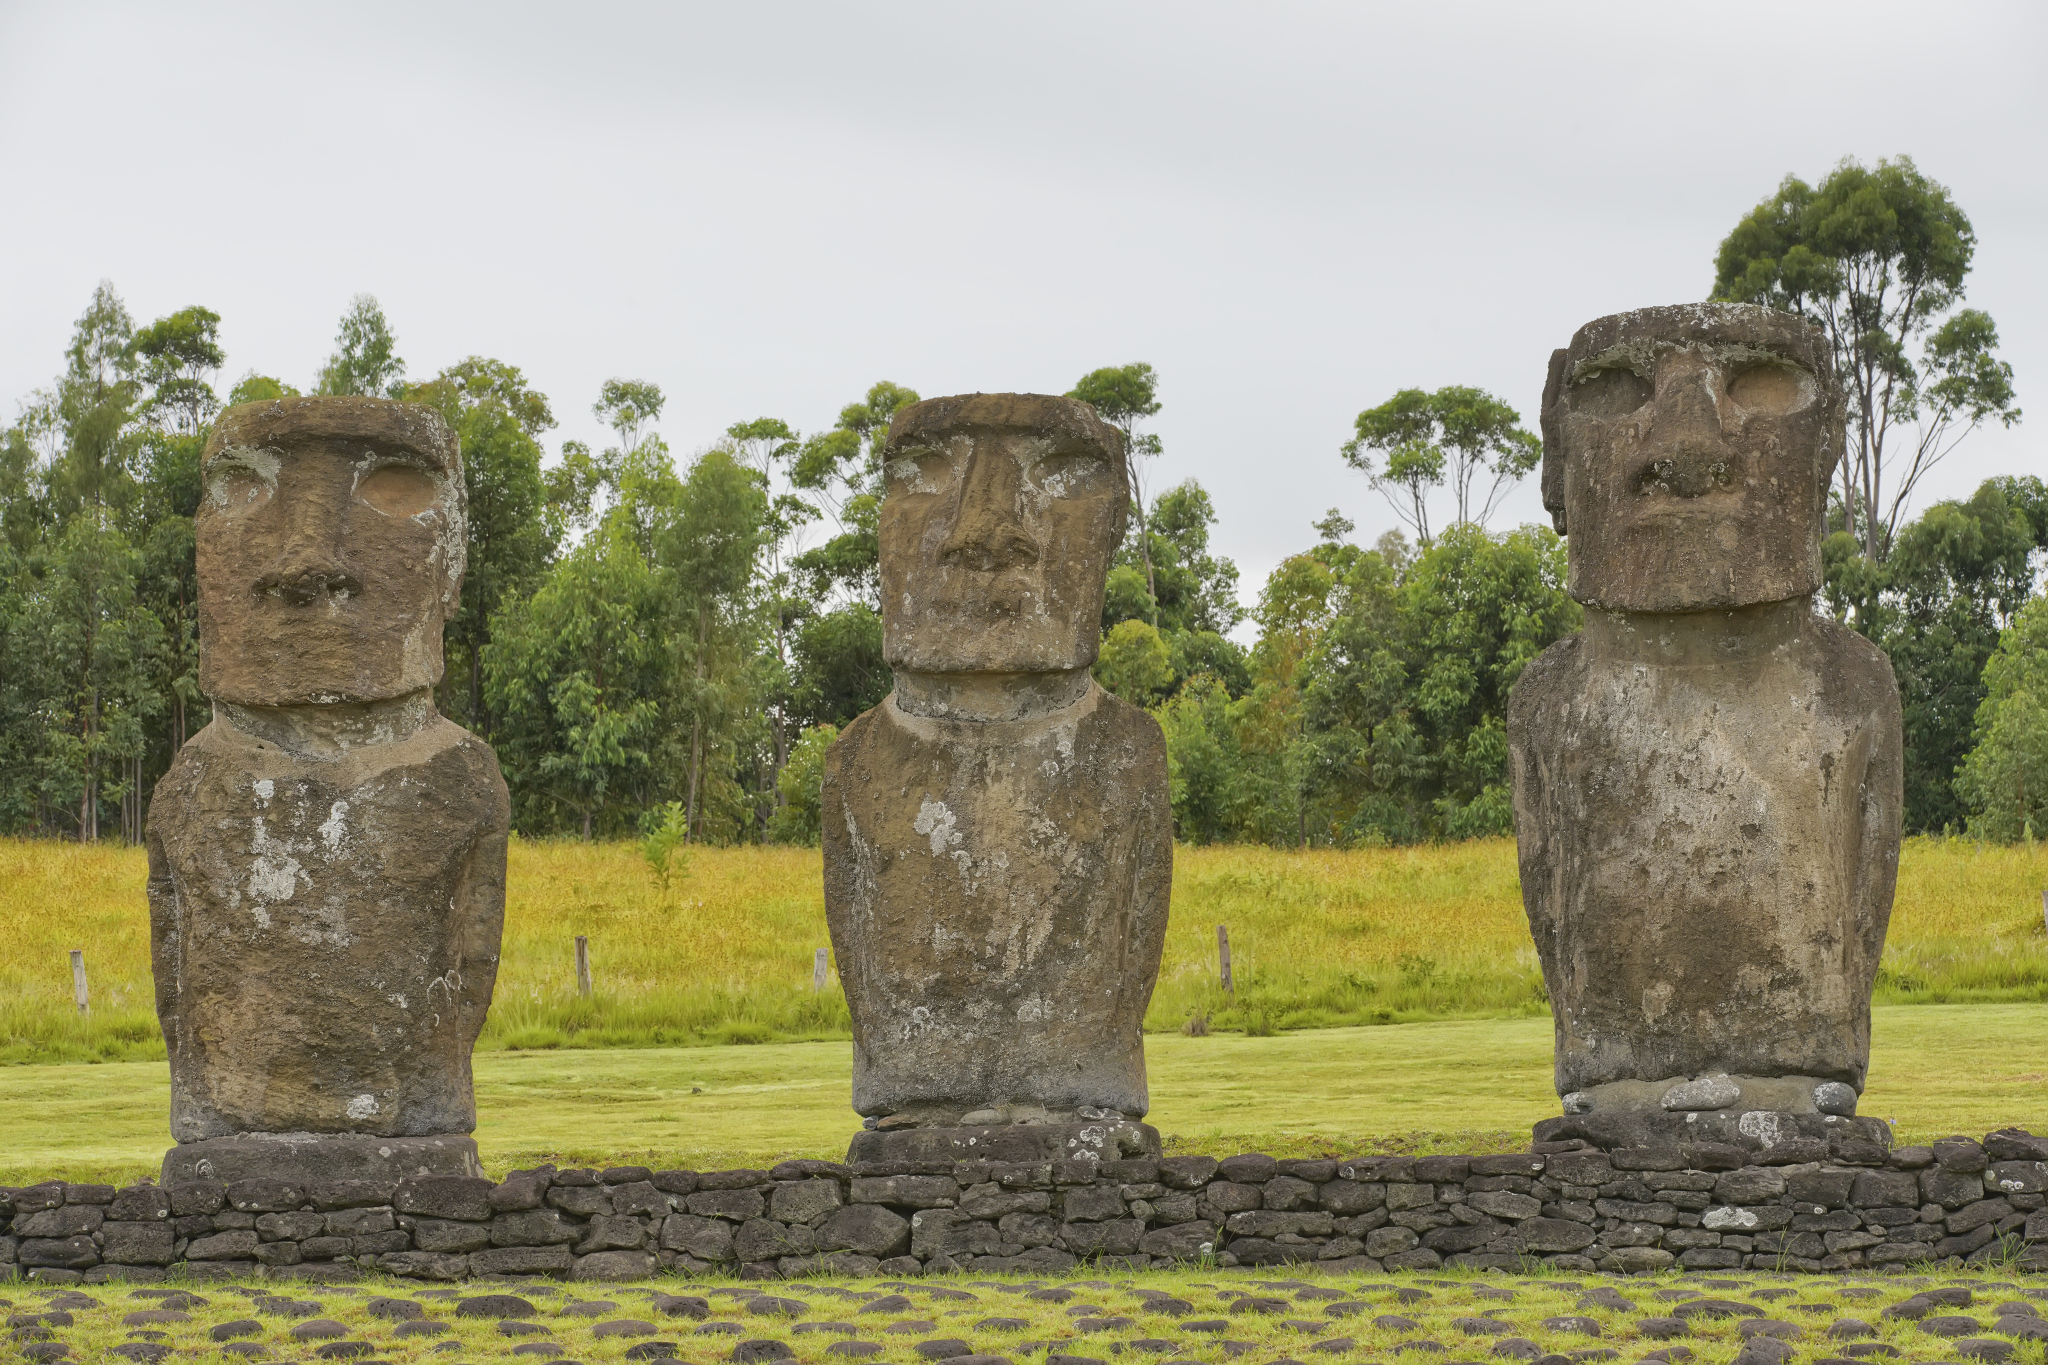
(327, 858)
(1707, 778)
(998, 841)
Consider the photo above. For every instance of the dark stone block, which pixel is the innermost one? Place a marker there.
(464, 1198)
(1250, 1168)
(140, 1204)
(1187, 1172)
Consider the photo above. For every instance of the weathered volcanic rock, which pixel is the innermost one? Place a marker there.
(1708, 778)
(998, 844)
(327, 858)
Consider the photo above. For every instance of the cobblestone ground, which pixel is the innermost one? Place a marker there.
(1165, 1317)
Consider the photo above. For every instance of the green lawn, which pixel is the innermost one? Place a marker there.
(1460, 1085)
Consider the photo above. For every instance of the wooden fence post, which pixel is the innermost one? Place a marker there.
(78, 979)
(583, 966)
(1223, 955)
(818, 971)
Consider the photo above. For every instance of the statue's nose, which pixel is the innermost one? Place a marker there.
(988, 531)
(302, 578)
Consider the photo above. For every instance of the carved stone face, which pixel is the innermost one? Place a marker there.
(1001, 515)
(330, 548)
(1687, 453)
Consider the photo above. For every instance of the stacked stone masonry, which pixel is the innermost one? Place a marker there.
(1796, 1207)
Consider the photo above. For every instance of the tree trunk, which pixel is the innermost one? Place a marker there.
(779, 721)
(476, 693)
(696, 729)
(1145, 552)
(690, 809)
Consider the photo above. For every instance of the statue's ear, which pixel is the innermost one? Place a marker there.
(1553, 449)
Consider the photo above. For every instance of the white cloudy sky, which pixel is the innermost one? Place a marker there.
(1290, 209)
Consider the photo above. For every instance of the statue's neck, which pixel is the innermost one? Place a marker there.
(1683, 639)
(989, 696)
(329, 732)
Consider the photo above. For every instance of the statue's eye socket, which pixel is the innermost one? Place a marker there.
(239, 490)
(1610, 393)
(399, 490)
(1070, 475)
(1768, 389)
(922, 471)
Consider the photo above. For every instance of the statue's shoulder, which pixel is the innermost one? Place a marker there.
(211, 751)
(1118, 721)
(1856, 675)
(860, 732)
(1556, 673)
(857, 738)
(442, 739)
(1843, 648)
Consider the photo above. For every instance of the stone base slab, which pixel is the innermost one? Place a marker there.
(1106, 1140)
(304, 1157)
(1752, 1130)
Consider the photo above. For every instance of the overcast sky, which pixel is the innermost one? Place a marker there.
(1291, 210)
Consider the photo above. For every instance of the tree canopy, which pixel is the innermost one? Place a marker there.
(1879, 256)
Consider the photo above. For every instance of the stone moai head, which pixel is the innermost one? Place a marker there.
(1686, 454)
(331, 546)
(1001, 515)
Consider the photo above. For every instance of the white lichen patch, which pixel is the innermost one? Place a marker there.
(274, 874)
(937, 822)
(334, 832)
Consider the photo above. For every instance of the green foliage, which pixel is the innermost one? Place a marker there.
(802, 783)
(1120, 394)
(259, 388)
(622, 681)
(1955, 578)
(1457, 433)
(1377, 708)
(577, 673)
(629, 407)
(1195, 602)
(365, 359)
(1135, 663)
(842, 468)
(2003, 781)
(632, 636)
(840, 671)
(498, 419)
(1877, 256)
(662, 846)
(178, 353)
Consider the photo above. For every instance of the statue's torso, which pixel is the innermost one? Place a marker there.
(997, 894)
(325, 934)
(1708, 848)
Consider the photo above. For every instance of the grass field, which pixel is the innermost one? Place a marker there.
(1461, 1085)
(1319, 940)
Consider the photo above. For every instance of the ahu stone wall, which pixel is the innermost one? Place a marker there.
(1796, 1207)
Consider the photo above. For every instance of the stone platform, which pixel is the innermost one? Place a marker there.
(1706, 1207)
(1104, 1140)
(317, 1158)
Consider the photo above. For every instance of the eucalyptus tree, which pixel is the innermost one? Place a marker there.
(1415, 442)
(1878, 256)
(365, 360)
(1122, 395)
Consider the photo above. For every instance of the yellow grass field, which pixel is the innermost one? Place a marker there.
(1319, 939)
